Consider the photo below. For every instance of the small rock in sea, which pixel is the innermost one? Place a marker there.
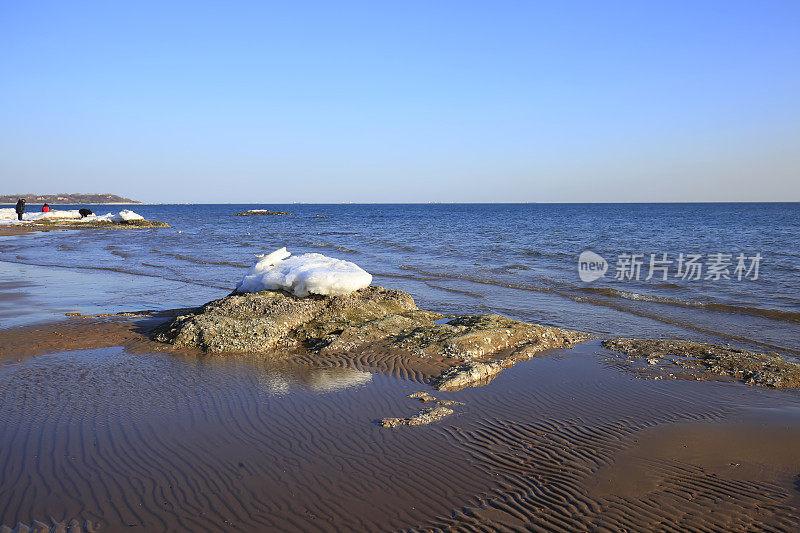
(260, 212)
(425, 416)
(424, 397)
(652, 361)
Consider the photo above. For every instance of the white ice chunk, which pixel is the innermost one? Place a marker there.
(127, 214)
(304, 274)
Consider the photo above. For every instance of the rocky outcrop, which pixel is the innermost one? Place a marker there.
(703, 361)
(259, 212)
(60, 223)
(269, 320)
(370, 318)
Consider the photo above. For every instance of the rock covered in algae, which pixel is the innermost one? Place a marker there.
(471, 373)
(753, 368)
(87, 224)
(369, 318)
(268, 320)
(425, 416)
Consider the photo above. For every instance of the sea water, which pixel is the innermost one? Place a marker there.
(518, 260)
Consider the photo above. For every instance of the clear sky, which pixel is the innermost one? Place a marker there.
(462, 101)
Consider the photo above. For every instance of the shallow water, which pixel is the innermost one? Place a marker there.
(166, 442)
(519, 260)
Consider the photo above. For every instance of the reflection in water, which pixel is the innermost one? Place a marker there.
(273, 373)
(280, 382)
(141, 382)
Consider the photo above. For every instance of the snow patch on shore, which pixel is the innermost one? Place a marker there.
(304, 274)
(8, 216)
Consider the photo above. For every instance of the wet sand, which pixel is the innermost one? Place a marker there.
(153, 439)
(14, 230)
(78, 333)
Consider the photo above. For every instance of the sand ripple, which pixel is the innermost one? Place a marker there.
(161, 443)
(169, 442)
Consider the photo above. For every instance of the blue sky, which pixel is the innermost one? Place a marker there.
(402, 101)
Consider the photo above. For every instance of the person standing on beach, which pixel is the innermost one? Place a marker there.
(45, 208)
(20, 208)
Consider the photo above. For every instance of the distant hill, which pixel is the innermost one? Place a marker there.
(65, 198)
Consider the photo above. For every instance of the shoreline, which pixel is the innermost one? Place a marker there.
(14, 230)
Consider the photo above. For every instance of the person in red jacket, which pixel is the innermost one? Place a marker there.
(45, 208)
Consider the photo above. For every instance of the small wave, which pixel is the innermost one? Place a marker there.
(401, 276)
(347, 250)
(457, 291)
(629, 295)
(516, 267)
(343, 249)
(115, 251)
(200, 261)
(774, 314)
(119, 271)
(482, 281)
(391, 244)
(539, 253)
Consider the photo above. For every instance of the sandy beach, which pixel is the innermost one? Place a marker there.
(106, 428)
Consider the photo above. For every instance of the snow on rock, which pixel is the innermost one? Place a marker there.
(304, 274)
(8, 216)
(53, 214)
(126, 215)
